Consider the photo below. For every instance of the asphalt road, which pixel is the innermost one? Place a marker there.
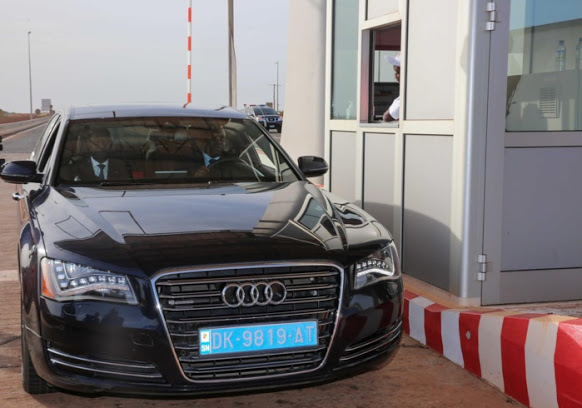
(417, 377)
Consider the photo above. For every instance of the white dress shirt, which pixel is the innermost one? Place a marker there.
(97, 170)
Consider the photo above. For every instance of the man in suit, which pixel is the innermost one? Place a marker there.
(97, 164)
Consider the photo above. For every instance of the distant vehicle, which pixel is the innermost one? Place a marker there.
(167, 250)
(266, 116)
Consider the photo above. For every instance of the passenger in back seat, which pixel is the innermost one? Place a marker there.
(96, 163)
(176, 154)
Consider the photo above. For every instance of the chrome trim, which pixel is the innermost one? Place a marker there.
(32, 331)
(92, 369)
(164, 273)
(250, 366)
(88, 360)
(241, 278)
(280, 314)
(381, 341)
(268, 292)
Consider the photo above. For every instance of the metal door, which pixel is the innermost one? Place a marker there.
(533, 189)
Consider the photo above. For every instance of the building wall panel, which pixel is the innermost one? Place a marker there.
(378, 8)
(343, 165)
(427, 208)
(431, 64)
(378, 194)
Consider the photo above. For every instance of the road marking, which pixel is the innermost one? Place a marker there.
(19, 133)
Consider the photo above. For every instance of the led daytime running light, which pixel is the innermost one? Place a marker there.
(68, 281)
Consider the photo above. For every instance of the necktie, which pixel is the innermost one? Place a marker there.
(101, 174)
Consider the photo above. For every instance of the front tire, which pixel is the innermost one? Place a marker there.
(31, 381)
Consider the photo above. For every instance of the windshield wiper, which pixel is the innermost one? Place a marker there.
(122, 183)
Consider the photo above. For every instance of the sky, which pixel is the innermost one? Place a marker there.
(134, 51)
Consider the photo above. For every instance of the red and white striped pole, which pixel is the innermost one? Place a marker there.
(189, 56)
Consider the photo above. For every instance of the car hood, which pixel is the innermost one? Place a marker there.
(144, 230)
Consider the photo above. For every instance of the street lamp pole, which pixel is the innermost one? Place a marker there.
(29, 75)
(231, 57)
(277, 100)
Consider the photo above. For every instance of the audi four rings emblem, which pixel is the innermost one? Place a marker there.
(249, 294)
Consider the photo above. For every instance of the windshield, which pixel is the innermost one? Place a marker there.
(265, 111)
(169, 150)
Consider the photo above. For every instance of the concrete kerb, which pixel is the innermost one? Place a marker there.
(533, 358)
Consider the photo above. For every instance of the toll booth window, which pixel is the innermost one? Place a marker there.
(345, 59)
(384, 89)
(544, 76)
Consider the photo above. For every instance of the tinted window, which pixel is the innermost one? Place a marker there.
(170, 150)
(42, 141)
(268, 111)
(345, 59)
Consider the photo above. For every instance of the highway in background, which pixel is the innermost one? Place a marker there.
(417, 377)
(22, 142)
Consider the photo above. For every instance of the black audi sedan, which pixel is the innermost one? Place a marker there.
(170, 250)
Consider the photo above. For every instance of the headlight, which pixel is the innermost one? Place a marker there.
(381, 265)
(64, 281)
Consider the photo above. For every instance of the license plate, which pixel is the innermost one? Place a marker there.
(260, 337)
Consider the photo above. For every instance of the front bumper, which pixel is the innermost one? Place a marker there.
(107, 347)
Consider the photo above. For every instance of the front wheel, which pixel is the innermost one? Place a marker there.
(31, 381)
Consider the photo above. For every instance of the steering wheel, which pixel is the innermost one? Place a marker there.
(232, 168)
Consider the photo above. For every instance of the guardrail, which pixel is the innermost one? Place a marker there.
(8, 129)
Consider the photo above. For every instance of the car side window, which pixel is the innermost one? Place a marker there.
(43, 138)
(47, 149)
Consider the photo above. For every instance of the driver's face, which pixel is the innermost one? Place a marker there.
(99, 141)
(216, 145)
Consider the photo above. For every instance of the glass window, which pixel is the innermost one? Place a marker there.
(384, 103)
(544, 83)
(265, 110)
(42, 140)
(345, 59)
(47, 151)
(175, 150)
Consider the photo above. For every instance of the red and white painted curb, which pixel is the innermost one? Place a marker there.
(534, 358)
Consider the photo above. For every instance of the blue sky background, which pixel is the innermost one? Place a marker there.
(125, 51)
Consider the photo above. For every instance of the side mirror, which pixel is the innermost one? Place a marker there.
(20, 172)
(312, 166)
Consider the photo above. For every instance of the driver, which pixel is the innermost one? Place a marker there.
(216, 148)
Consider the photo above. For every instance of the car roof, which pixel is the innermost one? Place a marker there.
(141, 110)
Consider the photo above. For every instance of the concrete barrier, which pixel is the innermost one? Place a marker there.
(534, 358)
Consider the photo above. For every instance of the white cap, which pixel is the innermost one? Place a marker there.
(393, 60)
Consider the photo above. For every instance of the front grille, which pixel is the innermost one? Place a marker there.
(372, 346)
(131, 371)
(192, 300)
